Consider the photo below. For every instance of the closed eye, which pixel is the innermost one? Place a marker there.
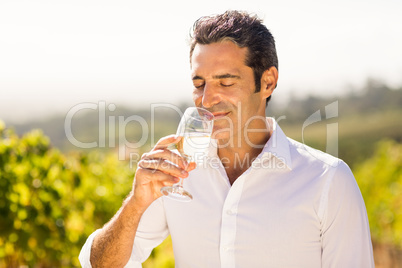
(227, 85)
(227, 80)
(198, 86)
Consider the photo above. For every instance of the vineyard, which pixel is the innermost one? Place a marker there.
(52, 197)
(51, 202)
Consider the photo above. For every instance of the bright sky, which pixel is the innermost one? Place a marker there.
(56, 54)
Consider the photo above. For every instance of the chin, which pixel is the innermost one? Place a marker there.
(221, 134)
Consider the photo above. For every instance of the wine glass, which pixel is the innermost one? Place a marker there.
(195, 129)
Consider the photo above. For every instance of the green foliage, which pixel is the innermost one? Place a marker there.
(380, 181)
(50, 202)
(162, 256)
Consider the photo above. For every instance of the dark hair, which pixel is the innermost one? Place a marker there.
(244, 30)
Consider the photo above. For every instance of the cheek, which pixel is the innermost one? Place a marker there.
(250, 106)
(197, 97)
(254, 101)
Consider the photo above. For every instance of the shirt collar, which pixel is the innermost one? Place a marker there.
(277, 146)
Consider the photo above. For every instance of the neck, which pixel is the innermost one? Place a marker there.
(238, 153)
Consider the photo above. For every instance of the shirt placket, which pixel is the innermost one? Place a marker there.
(228, 226)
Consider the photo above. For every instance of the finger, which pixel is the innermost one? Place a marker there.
(164, 166)
(191, 166)
(166, 141)
(157, 177)
(166, 155)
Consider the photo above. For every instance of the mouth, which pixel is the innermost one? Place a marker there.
(219, 115)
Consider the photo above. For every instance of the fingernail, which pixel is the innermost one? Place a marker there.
(184, 172)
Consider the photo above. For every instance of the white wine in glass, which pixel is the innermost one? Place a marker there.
(195, 129)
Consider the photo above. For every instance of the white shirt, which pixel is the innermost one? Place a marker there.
(294, 207)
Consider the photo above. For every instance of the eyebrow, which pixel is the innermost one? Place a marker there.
(220, 76)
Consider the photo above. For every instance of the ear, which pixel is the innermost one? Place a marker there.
(269, 79)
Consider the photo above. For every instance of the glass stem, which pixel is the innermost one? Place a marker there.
(180, 184)
(188, 159)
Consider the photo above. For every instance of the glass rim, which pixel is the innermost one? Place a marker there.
(206, 116)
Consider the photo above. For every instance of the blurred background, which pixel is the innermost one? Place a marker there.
(91, 66)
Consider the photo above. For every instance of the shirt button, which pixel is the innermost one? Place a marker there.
(226, 249)
(230, 212)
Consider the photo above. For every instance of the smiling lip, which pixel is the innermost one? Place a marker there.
(220, 115)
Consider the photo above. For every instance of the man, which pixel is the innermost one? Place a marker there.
(268, 202)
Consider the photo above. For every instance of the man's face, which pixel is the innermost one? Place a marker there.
(224, 85)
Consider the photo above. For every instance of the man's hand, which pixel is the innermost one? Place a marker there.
(158, 168)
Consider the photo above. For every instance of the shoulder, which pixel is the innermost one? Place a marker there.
(304, 154)
(334, 171)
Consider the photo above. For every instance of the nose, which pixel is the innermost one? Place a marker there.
(210, 97)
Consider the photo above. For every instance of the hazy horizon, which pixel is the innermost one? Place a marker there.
(55, 55)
